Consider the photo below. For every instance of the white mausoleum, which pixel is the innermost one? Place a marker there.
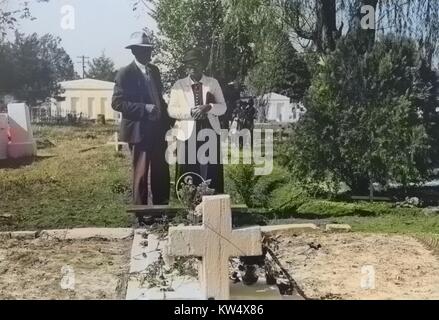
(87, 98)
(280, 109)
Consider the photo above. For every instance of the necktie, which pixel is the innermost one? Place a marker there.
(154, 94)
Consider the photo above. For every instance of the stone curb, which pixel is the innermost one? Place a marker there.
(290, 228)
(71, 234)
(304, 228)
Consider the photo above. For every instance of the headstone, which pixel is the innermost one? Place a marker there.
(215, 242)
(3, 136)
(22, 140)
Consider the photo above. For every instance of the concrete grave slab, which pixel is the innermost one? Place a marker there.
(88, 233)
(290, 228)
(24, 235)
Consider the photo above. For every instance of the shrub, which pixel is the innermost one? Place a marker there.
(254, 191)
(364, 118)
(287, 199)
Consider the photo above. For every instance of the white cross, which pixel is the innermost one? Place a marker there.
(215, 242)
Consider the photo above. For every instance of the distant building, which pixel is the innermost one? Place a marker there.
(279, 108)
(87, 98)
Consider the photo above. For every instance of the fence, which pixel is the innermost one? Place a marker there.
(61, 117)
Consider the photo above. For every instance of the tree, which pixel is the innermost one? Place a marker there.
(33, 67)
(279, 68)
(226, 30)
(364, 122)
(320, 23)
(9, 17)
(102, 68)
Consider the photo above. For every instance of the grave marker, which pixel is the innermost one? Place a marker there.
(215, 242)
(22, 140)
(4, 136)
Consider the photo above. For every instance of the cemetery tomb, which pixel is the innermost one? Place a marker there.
(3, 136)
(22, 141)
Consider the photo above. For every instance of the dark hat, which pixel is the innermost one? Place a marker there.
(194, 54)
(140, 39)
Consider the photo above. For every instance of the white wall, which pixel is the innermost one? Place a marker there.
(86, 101)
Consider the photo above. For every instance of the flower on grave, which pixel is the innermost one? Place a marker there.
(191, 196)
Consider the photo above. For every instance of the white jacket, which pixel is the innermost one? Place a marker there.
(182, 101)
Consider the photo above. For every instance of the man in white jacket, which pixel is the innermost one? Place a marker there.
(196, 104)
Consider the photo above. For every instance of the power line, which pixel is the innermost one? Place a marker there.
(83, 61)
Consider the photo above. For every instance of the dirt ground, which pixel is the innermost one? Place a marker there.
(42, 269)
(330, 266)
(326, 266)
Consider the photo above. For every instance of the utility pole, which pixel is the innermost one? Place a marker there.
(83, 61)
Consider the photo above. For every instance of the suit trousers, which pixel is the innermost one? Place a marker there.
(150, 161)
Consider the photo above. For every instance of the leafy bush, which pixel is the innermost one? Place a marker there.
(364, 121)
(254, 191)
(287, 199)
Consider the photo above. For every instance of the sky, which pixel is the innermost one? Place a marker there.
(99, 25)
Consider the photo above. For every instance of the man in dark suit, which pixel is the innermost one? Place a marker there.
(145, 121)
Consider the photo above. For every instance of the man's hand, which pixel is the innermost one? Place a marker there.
(149, 107)
(205, 108)
(154, 114)
(197, 114)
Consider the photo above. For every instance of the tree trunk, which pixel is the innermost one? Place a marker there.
(326, 28)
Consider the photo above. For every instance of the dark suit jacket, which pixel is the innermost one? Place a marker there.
(130, 97)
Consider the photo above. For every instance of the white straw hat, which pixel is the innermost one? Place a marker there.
(140, 39)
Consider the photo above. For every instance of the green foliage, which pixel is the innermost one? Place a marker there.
(102, 68)
(191, 195)
(255, 191)
(32, 67)
(287, 199)
(226, 30)
(9, 16)
(243, 181)
(363, 121)
(279, 68)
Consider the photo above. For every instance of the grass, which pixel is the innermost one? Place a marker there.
(289, 202)
(368, 217)
(77, 181)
